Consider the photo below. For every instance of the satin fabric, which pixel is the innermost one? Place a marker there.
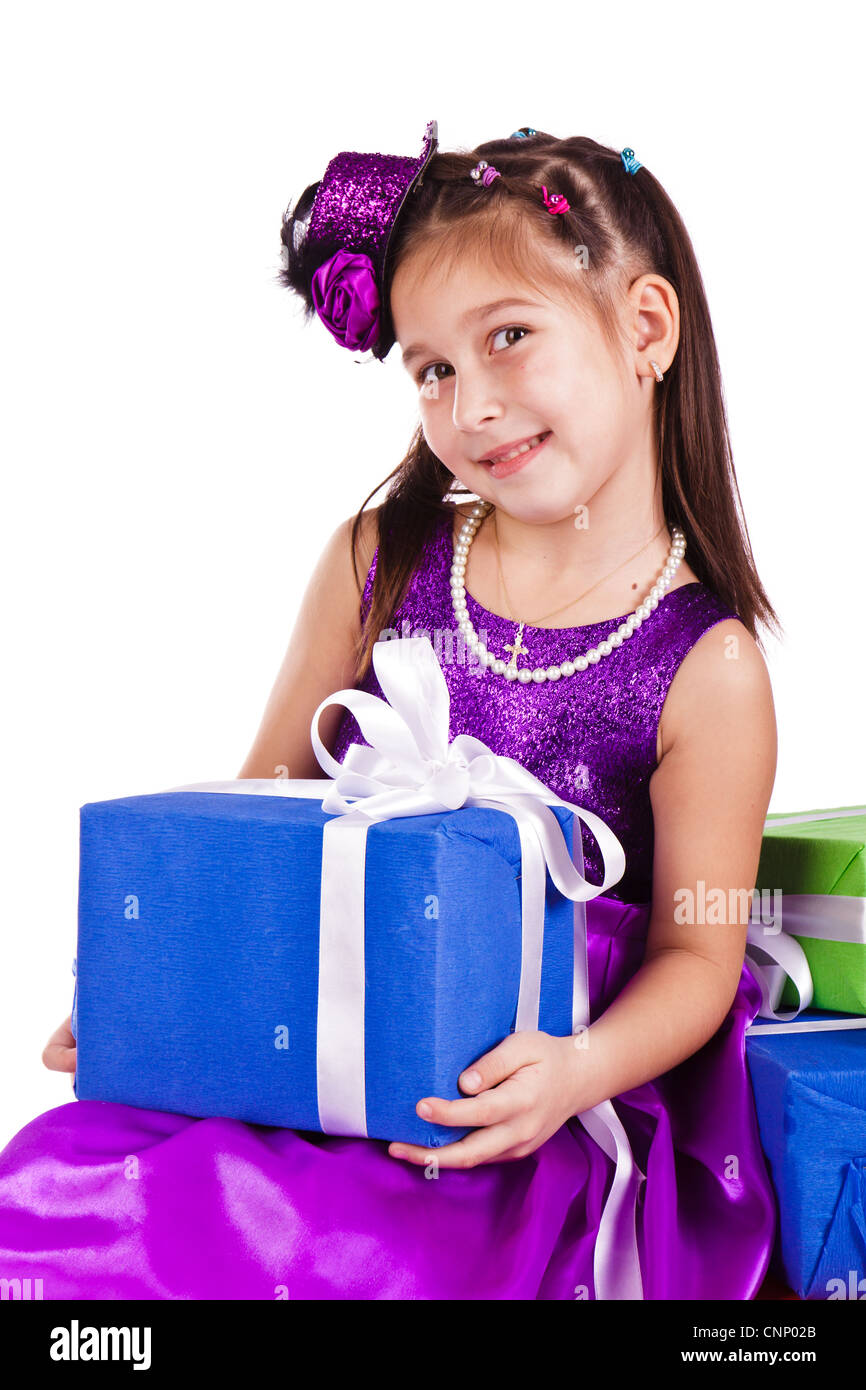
(347, 300)
(109, 1201)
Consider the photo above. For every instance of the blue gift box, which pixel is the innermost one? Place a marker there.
(810, 1097)
(198, 956)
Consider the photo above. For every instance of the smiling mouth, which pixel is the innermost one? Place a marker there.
(525, 448)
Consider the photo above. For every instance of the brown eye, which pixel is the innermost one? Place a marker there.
(512, 328)
(422, 377)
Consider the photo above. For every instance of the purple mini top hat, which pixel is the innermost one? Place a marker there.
(351, 225)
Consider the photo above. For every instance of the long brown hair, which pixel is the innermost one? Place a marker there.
(627, 226)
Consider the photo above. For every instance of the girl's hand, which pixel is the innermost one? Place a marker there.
(527, 1090)
(60, 1050)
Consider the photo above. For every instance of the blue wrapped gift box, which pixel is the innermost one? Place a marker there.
(810, 1097)
(198, 953)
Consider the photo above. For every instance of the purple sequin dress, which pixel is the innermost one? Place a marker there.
(103, 1200)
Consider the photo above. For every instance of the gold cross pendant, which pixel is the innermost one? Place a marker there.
(516, 648)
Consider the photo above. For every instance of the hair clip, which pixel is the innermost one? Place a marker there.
(484, 173)
(554, 202)
(629, 163)
(522, 133)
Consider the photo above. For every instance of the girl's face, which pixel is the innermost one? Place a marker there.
(489, 377)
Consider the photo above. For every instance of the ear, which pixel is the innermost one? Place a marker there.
(654, 323)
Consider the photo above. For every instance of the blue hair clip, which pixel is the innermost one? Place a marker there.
(629, 163)
(522, 133)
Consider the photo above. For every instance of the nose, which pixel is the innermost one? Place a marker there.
(475, 402)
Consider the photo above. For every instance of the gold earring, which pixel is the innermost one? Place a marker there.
(659, 375)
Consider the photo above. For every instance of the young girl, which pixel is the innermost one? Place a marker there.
(551, 317)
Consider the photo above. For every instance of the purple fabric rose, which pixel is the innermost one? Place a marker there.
(346, 299)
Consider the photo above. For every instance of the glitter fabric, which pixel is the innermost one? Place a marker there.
(590, 737)
(355, 204)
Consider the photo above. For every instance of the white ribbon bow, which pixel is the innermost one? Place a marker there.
(411, 769)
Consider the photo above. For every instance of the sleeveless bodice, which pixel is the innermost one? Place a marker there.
(590, 737)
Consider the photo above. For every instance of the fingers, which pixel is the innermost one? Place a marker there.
(515, 1051)
(499, 1142)
(505, 1102)
(58, 1058)
(60, 1050)
(505, 1127)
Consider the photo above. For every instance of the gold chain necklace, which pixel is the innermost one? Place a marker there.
(580, 662)
(573, 601)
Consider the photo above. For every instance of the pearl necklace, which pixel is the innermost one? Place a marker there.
(524, 674)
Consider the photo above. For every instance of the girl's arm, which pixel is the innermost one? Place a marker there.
(318, 660)
(709, 795)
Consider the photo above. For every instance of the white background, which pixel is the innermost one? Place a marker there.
(177, 447)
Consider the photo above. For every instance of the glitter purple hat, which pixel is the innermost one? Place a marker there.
(348, 237)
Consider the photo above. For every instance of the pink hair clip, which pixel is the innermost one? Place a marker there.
(484, 173)
(554, 202)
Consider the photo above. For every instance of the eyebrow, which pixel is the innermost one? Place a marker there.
(471, 315)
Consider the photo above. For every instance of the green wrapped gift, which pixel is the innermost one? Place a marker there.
(817, 859)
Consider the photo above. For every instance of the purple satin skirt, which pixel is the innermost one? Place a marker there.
(100, 1200)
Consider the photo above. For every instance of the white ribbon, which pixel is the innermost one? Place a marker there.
(814, 1025)
(411, 769)
(776, 955)
(825, 917)
(806, 816)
